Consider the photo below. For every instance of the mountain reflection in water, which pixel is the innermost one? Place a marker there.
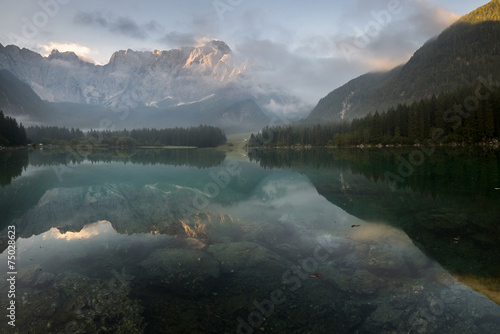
(448, 205)
(124, 248)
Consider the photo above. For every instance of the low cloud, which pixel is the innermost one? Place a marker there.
(195, 32)
(83, 52)
(90, 18)
(429, 20)
(121, 25)
(383, 41)
(275, 65)
(312, 66)
(126, 26)
(177, 39)
(309, 65)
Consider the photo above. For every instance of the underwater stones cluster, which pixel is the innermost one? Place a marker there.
(70, 303)
(193, 271)
(186, 271)
(208, 271)
(368, 285)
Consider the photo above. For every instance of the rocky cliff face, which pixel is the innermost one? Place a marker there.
(131, 78)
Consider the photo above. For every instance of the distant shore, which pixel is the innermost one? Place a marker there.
(493, 144)
(93, 147)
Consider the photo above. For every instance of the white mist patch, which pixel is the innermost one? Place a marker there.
(84, 53)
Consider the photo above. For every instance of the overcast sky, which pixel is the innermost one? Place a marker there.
(308, 48)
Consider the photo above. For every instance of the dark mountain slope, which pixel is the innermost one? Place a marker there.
(17, 97)
(456, 58)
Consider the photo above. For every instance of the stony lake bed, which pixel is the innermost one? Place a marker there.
(200, 244)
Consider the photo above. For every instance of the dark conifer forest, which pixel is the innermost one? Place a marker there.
(469, 116)
(14, 134)
(200, 136)
(11, 133)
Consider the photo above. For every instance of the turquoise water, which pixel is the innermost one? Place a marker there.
(285, 242)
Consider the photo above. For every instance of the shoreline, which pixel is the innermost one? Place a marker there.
(492, 145)
(97, 147)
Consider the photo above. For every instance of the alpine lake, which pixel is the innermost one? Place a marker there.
(266, 241)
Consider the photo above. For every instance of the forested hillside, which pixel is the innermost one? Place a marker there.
(469, 115)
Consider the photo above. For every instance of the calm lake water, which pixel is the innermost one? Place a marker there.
(288, 241)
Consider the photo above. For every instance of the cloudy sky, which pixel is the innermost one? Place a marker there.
(307, 48)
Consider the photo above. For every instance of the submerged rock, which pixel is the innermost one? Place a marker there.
(288, 251)
(359, 282)
(182, 270)
(385, 259)
(71, 303)
(234, 256)
(432, 309)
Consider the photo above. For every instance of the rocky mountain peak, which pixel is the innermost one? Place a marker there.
(220, 46)
(67, 56)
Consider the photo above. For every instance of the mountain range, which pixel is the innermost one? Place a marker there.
(128, 79)
(180, 87)
(468, 49)
(207, 84)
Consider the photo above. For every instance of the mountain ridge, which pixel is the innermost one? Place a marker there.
(233, 113)
(64, 77)
(178, 87)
